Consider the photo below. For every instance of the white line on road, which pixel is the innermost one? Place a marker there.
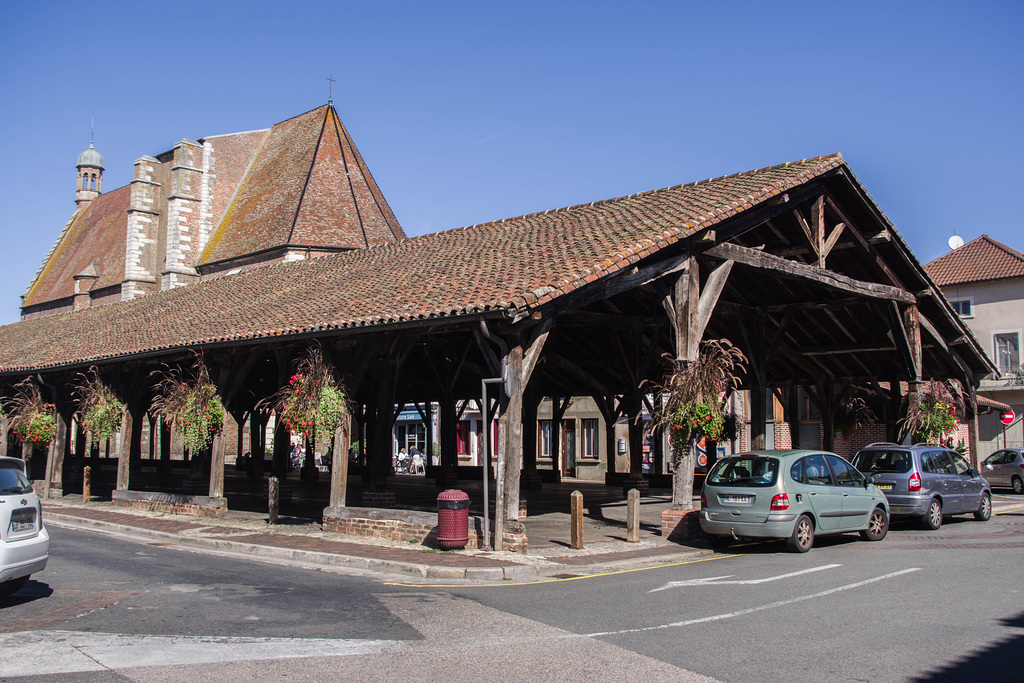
(62, 652)
(752, 610)
(718, 580)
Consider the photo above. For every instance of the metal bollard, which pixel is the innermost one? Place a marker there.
(86, 484)
(633, 516)
(274, 494)
(576, 515)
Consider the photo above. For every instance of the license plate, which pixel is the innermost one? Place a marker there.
(23, 521)
(884, 487)
(733, 498)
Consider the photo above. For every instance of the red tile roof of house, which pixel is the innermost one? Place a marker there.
(308, 186)
(510, 264)
(977, 261)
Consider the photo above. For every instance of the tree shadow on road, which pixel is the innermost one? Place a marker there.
(1000, 661)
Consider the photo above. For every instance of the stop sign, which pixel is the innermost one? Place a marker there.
(1007, 417)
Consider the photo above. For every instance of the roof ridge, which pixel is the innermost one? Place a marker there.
(999, 245)
(835, 155)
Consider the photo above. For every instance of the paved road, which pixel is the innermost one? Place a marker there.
(920, 605)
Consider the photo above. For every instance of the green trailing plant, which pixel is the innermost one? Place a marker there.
(188, 400)
(31, 417)
(694, 395)
(932, 417)
(313, 403)
(99, 409)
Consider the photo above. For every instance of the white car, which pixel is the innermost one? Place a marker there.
(24, 543)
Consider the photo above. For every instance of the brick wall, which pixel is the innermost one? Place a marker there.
(195, 506)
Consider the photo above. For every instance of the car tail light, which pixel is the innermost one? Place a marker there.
(780, 502)
(703, 500)
(914, 483)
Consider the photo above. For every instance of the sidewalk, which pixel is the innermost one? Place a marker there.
(302, 542)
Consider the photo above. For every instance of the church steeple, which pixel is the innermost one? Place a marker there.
(90, 175)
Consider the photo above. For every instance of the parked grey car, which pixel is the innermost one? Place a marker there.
(792, 495)
(1005, 468)
(926, 481)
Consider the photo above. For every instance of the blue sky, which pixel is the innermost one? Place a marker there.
(474, 111)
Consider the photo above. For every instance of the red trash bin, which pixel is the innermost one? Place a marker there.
(452, 519)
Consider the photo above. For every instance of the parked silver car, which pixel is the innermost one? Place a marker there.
(24, 543)
(792, 495)
(1005, 468)
(926, 481)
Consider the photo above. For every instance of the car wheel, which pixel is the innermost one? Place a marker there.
(719, 541)
(1018, 485)
(12, 586)
(933, 518)
(878, 526)
(984, 511)
(803, 535)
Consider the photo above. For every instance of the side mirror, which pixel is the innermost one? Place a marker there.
(975, 473)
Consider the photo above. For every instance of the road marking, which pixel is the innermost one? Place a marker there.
(752, 610)
(61, 652)
(569, 578)
(718, 580)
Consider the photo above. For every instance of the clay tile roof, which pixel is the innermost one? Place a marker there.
(978, 260)
(307, 186)
(515, 264)
(94, 236)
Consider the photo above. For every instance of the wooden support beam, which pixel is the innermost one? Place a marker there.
(709, 297)
(791, 269)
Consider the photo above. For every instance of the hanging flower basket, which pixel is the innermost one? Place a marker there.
(312, 404)
(99, 409)
(933, 417)
(189, 401)
(32, 419)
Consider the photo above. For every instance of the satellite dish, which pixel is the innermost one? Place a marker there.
(955, 242)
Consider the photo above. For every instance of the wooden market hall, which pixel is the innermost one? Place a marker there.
(291, 245)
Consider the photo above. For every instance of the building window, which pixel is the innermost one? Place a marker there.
(590, 439)
(963, 307)
(545, 438)
(1007, 352)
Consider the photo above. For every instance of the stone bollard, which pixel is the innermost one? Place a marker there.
(86, 484)
(633, 516)
(576, 515)
(273, 494)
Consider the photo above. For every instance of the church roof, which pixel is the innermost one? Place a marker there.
(979, 260)
(94, 235)
(515, 263)
(299, 183)
(308, 186)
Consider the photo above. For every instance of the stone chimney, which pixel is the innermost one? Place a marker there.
(83, 284)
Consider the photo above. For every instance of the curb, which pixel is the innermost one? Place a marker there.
(423, 571)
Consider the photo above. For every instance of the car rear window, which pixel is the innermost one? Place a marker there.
(750, 471)
(13, 481)
(871, 462)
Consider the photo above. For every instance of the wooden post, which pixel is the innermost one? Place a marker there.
(217, 465)
(339, 461)
(86, 484)
(124, 452)
(273, 498)
(55, 455)
(633, 516)
(576, 521)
